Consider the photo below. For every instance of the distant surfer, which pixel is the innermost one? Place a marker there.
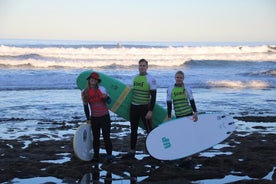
(142, 103)
(94, 101)
(119, 45)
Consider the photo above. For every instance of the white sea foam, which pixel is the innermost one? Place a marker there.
(239, 84)
(45, 57)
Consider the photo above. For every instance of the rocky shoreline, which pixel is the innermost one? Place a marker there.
(253, 155)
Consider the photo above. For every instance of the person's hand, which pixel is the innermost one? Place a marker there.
(108, 100)
(195, 117)
(149, 115)
(104, 96)
(88, 121)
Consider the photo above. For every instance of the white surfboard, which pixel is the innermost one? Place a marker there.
(83, 142)
(182, 137)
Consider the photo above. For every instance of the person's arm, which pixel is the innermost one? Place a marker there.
(153, 89)
(87, 112)
(169, 109)
(86, 105)
(169, 102)
(152, 99)
(105, 95)
(193, 105)
(151, 104)
(195, 117)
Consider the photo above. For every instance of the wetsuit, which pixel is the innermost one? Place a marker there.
(143, 100)
(100, 119)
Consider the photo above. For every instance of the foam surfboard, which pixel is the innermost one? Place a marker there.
(120, 95)
(83, 142)
(182, 137)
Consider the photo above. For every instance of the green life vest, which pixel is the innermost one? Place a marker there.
(181, 102)
(141, 90)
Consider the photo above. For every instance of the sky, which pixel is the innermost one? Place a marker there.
(139, 20)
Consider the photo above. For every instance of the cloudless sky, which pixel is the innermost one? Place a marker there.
(139, 20)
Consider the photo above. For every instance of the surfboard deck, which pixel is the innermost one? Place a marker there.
(83, 142)
(182, 137)
(120, 95)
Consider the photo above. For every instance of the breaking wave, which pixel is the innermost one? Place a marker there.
(239, 84)
(87, 57)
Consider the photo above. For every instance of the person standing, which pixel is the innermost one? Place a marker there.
(181, 98)
(142, 103)
(94, 99)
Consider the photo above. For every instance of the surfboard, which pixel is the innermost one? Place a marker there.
(83, 142)
(120, 95)
(182, 137)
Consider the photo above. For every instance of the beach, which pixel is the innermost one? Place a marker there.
(244, 157)
(41, 109)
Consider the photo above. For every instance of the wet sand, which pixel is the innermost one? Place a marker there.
(253, 155)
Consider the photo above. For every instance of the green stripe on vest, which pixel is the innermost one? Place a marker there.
(181, 102)
(141, 88)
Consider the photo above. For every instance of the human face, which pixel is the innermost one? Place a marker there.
(93, 82)
(179, 78)
(143, 68)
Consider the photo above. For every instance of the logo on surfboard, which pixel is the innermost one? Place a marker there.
(166, 142)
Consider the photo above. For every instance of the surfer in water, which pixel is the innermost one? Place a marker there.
(181, 98)
(94, 99)
(142, 103)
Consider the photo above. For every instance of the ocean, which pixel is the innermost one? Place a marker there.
(236, 78)
(38, 77)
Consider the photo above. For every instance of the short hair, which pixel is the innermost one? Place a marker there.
(143, 60)
(179, 72)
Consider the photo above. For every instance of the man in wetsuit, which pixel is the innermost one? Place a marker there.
(142, 103)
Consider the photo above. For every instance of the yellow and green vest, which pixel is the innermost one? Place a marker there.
(181, 103)
(141, 90)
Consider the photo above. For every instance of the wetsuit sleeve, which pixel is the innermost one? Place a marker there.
(152, 99)
(103, 90)
(153, 87)
(189, 92)
(86, 111)
(192, 102)
(169, 109)
(152, 82)
(169, 102)
(191, 98)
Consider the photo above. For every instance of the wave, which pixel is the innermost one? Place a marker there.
(265, 73)
(84, 57)
(271, 73)
(257, 84)
(262, 73)
(21, 57)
